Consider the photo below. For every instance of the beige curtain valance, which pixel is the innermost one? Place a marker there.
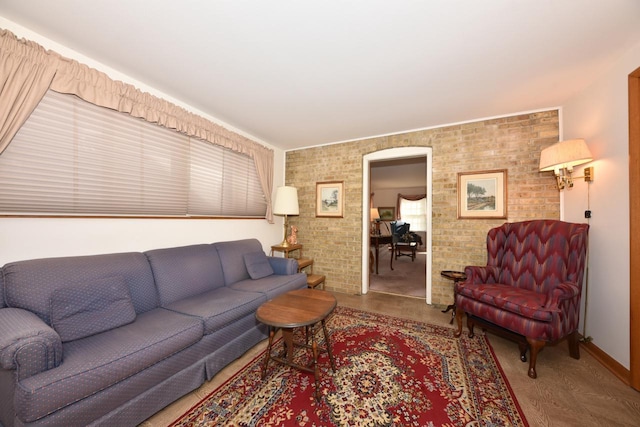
(27, 71)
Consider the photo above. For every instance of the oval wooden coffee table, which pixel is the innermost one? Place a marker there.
(295, 309)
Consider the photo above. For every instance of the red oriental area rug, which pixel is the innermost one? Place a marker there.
(389, 372)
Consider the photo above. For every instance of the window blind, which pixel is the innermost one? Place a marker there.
(224, 182)
(74, 158)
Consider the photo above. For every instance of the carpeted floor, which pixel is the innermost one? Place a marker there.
(408, 278)
(389, 371)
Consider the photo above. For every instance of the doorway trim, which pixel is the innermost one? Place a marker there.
(389, 154)
(634, 230)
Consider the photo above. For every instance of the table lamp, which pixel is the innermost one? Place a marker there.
(286, 203)
(375, 221)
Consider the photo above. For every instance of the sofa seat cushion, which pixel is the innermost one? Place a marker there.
(274, 285)
(85, 309)
(95, 363)
(220, 307)
(523, 302)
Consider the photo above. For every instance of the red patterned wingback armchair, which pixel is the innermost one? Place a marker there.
(530, 287)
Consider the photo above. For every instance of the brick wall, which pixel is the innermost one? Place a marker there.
(513, 143)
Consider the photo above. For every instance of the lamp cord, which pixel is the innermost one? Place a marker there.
(586, 338)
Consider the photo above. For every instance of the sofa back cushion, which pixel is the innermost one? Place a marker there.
(30, 284)
(232, 258)
(537, 255)
(257, 265)
(2, 304)
(185, 271)
(88, 308)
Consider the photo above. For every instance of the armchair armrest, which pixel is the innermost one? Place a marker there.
(283, 266)
(477, 274)
(27, 344)
(564, 291)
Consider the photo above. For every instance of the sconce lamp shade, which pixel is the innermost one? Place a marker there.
(565, 154)
(286, 201)
(375, 214)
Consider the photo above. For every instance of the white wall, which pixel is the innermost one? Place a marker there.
(26, 238)
(600, 116)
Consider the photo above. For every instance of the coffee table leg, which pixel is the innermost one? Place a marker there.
(316, 371)
(327, 343)
(267, 356)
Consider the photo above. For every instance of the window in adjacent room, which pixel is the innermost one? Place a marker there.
(75, 158)
(415, 213)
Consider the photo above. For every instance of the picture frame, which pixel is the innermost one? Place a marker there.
(482, 194)
(330, 199)
(387, 213)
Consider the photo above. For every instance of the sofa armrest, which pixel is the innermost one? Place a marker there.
(283, 266)
(27, 344)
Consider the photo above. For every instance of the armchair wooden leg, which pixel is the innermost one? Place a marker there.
(523, 350)
(459, 315)
(470, 325)
(535, 346)
(574, 345)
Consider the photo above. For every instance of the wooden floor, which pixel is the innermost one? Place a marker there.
(567, 392)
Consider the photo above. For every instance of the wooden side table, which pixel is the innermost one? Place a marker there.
(287, 249)
(313, 280)
(456, 276)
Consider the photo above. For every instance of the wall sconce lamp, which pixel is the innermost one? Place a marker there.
(562, 156)
(286, 203)
(375, 221)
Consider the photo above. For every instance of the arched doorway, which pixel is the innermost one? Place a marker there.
(388, 154)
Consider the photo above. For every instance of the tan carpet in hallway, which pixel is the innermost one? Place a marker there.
(407, 277)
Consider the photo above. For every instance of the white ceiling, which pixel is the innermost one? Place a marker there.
(398, 173)
(299, 73)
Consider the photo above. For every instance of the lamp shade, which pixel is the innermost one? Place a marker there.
(375, 214)
(565, 154)
(286, 201)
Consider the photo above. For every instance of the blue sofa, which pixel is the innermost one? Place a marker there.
(111, 339)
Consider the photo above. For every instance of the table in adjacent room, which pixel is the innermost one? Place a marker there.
(381, 239)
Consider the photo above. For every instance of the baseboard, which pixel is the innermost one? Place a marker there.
(608, 362)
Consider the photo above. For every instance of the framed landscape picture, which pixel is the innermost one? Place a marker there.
(482, 195)
(330, 199)
(387, 213)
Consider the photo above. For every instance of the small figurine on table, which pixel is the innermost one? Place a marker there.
(293, 237)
